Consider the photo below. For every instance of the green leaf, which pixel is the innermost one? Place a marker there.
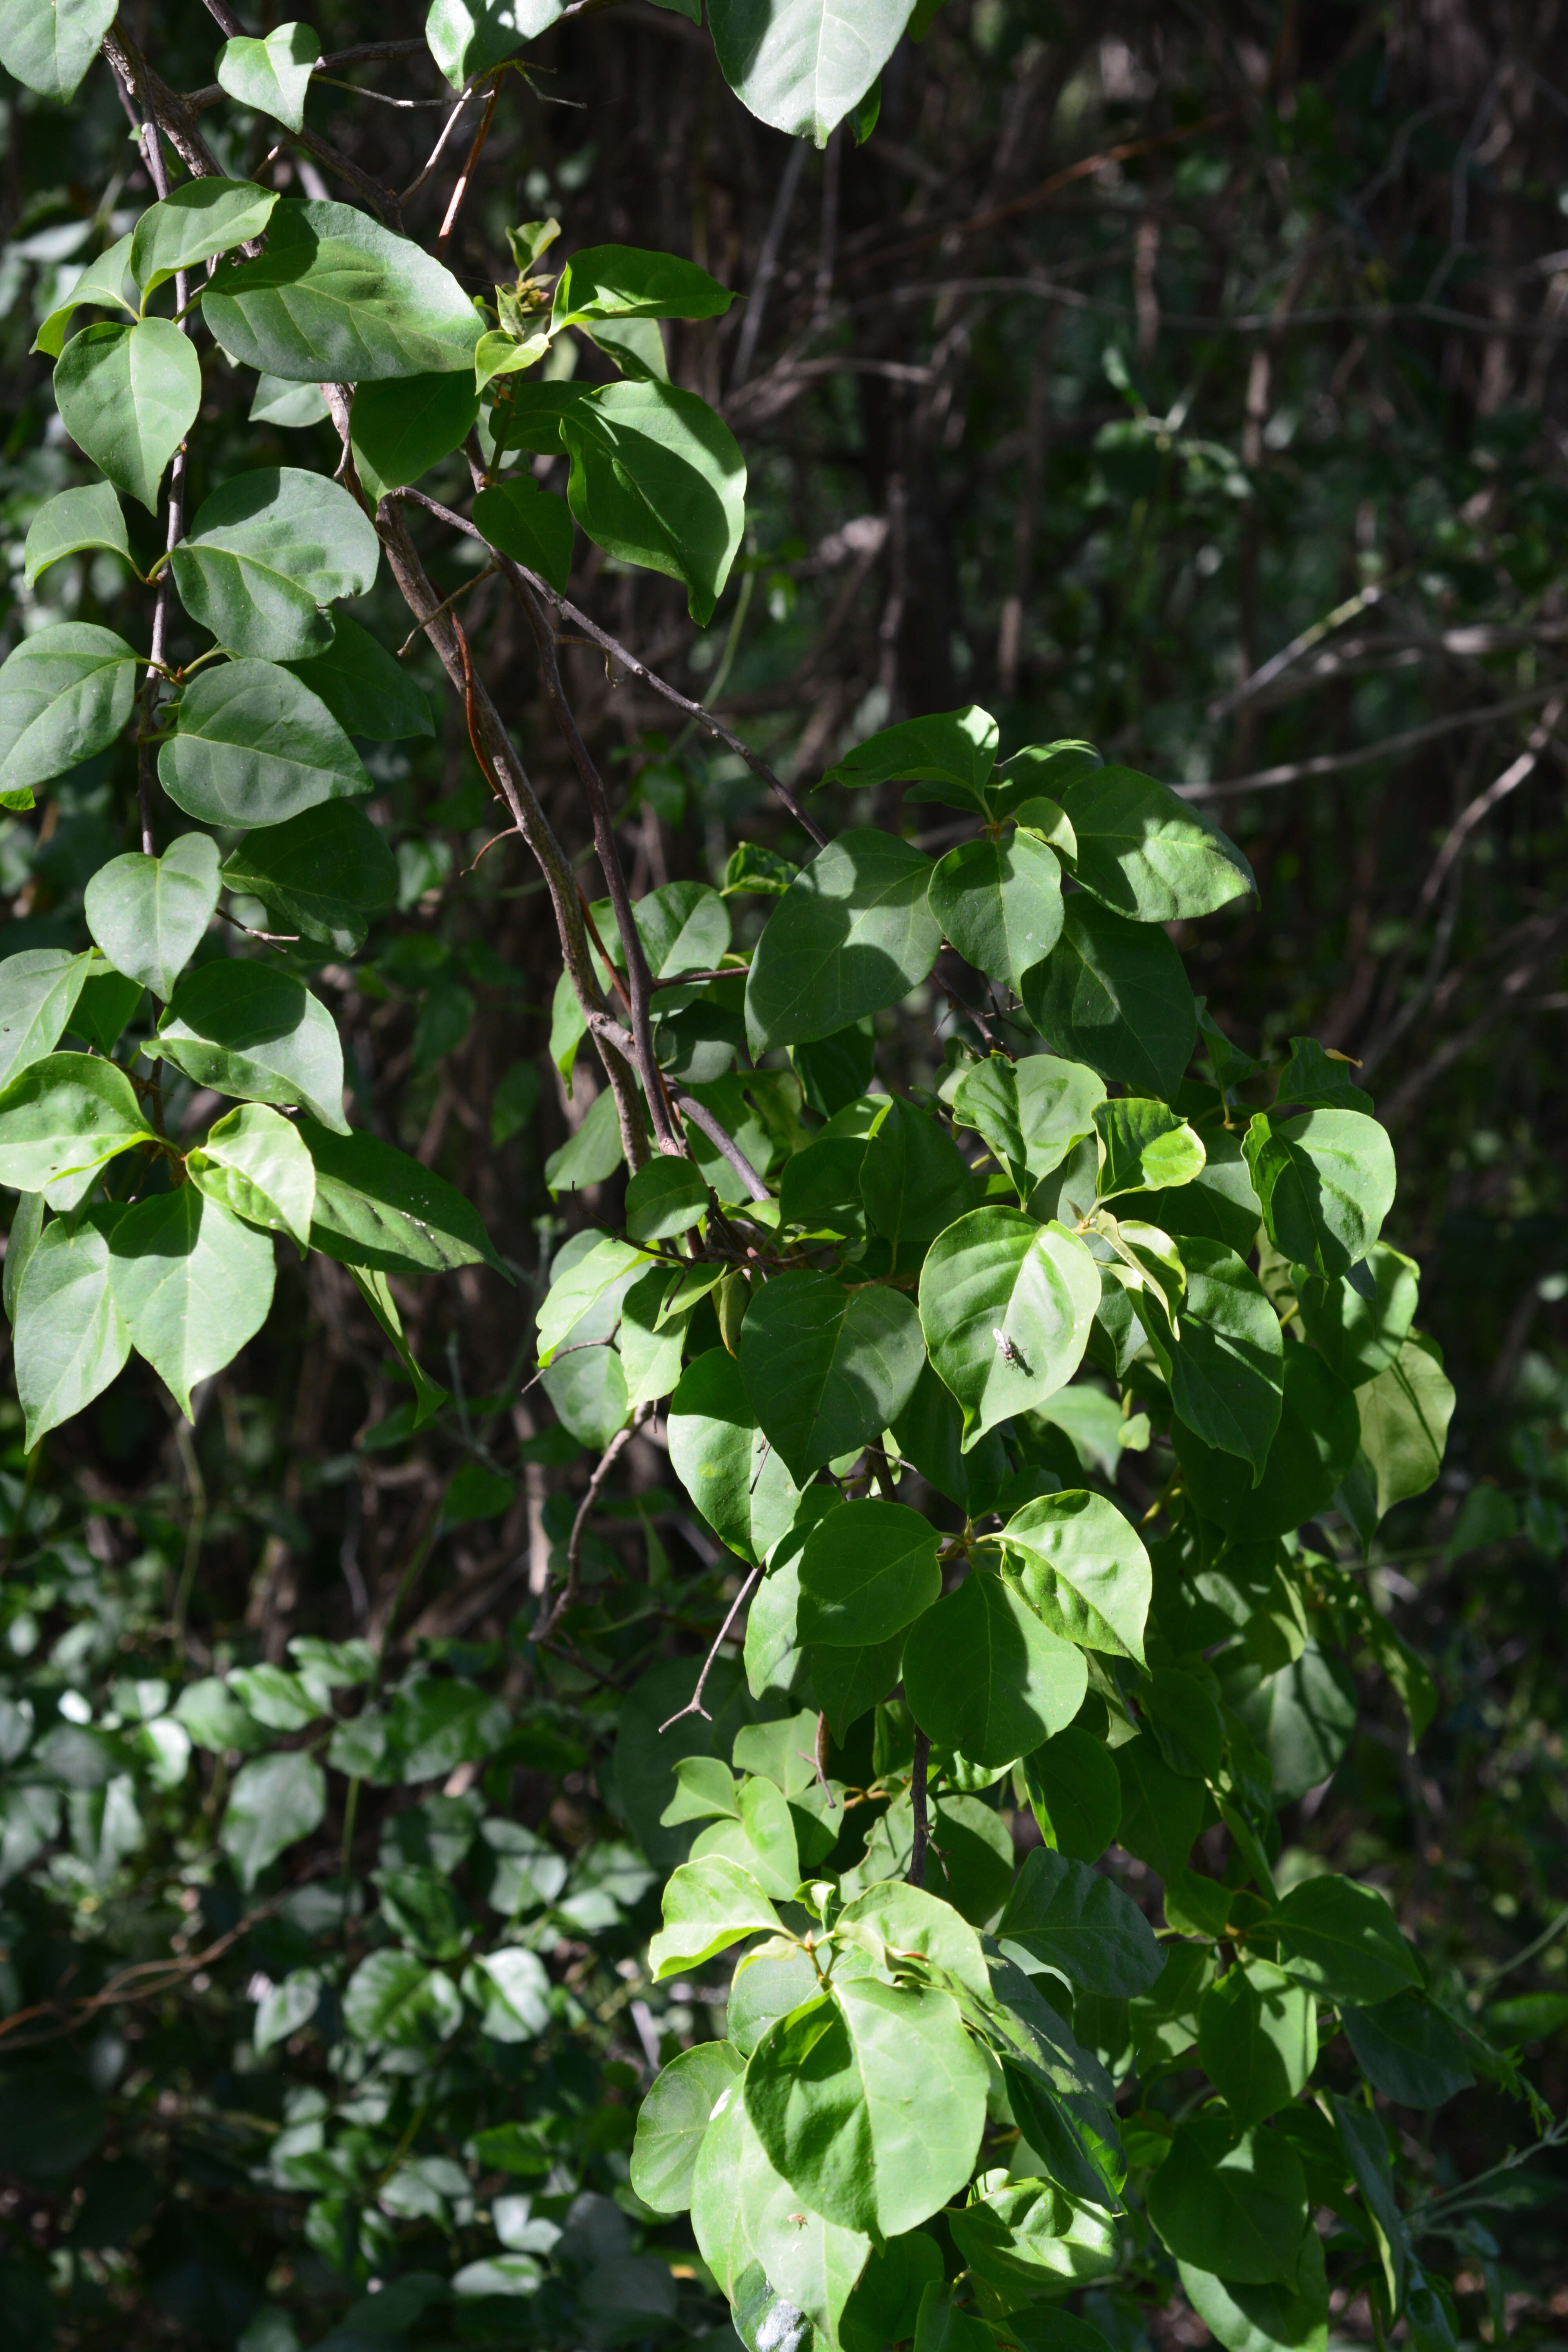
(1145, 1147)
(1114, 994)
(666, 1198)
(49, 49)
(658, 480)
(1161, 1810)
(193, 1283)
(623, 281)
(578, 1283)
(733, 1474)
(1218, 1205)
(64, 692)
(402, 426)
(1342, 1941)
(1031, 1112)
(802, 65)
(364, 687)
(782, 2267)
(1077, 1920)
(1365, 2143)
(708, 1906)
(941, 2326)
(867, 1571)
(1257, 2037)
(851, 934)
(1359, 1321)
(395, 1999)
(322, 873)
(468, 36)
(1226, 1370)
(1274, 2318)
(983, 1675)
(1320, 1079)
(1300, 1717)
(39, 990)
(1005, 1305)
(1309, 1456)
(255, 747)
(195, 223)
(531, 525)
(1083, 1570)
(999, 903)
(245, 1028)
(1148, 853)
(71, 1337)
(907, 1919)
(128, 396)
(885, 2306)
(827, 1369)
(1075, 1794)
(271, 75)
(105, 284)
(1409, 2051)
(265, 551)
(1404, 1415)
(338, 299)
(1326, 1181)
(952, 749)
(76, 520)
(26, 1226)
(1234, 2204)
(871, 2101)
(149, 915)
(913, 1180)
(253, 1163)
(275, 1802)
(673, 2118)
(591, 1152)
(375, 1207)
(62, 1115)
(293, 406)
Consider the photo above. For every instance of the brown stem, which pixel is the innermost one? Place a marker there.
(467, 174)
(639, 980)
(568, 1592)
(694, 1704)
(918, 1806)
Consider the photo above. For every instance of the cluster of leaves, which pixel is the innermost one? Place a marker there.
(951, 2090)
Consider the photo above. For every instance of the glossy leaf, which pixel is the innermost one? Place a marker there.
(623, 281)
(871, 2101)
(71, 1337)
(150, 914)
(867, 1571)
(466, 36)
(1235, 2205)
(1145, 1147)
(336, 297)
(271, 75)
(274, 1803)
(195, 221)
(70, 523)
(320, 875)
(658, 480)
(254, 747)
(1005, 1305)
(1147, 853)
(531, 525)
(39, 990)
(852, 933)
(402, 426)
(375, 1207)
(265, 552)
(366, 689)
(801, 65)
(64, 692)
(827, 1369)
(63, 1113)
(1114, 994)
(128, 396)
(1342, 1941)
(672, 2120)
(983, 1675)
(1083, 1569)
(1326, 1181)
(1078, 1921)
(193, 1283)
(254, 1163)
(245, 1028)
(1031, 1112)
(999, 903)
(708, 1906)
(49, 49)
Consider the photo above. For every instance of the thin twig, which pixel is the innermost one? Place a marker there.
(466, 176)
(917, 1874)
(1333, 763)
(607, 1460)
(694, 1704)
(767, 264)
(454, 116)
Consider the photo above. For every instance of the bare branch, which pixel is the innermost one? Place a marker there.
(1334, 763)
(694, 1704)
(607, 1460)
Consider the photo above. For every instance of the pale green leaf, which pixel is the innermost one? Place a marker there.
(801, 65)
(71, 1337)
(48, 45)
(999, 903)
(672, 2119)
(149, 914)
(77, 519)
(1404, 1415)
(1326, 1181)
(275, 1802)
(128, 396)
(253, 1163)
(1080, 1562)
(658, 480)
(193, 1283)
(1005, 1305)
(376, 1207)
(867, 1571)
(1146, 852)
(39, 990)
(708, 1906)
(271, 75)
(467, 36)
(64, 1114)
(248, 1029)
(192, 223)
(1031, 1112)
(953, 751)
(265, 551)
(65, 693)
(623, 282)
(733, 1473)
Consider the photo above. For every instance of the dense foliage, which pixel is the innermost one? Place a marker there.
(719, 1601)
